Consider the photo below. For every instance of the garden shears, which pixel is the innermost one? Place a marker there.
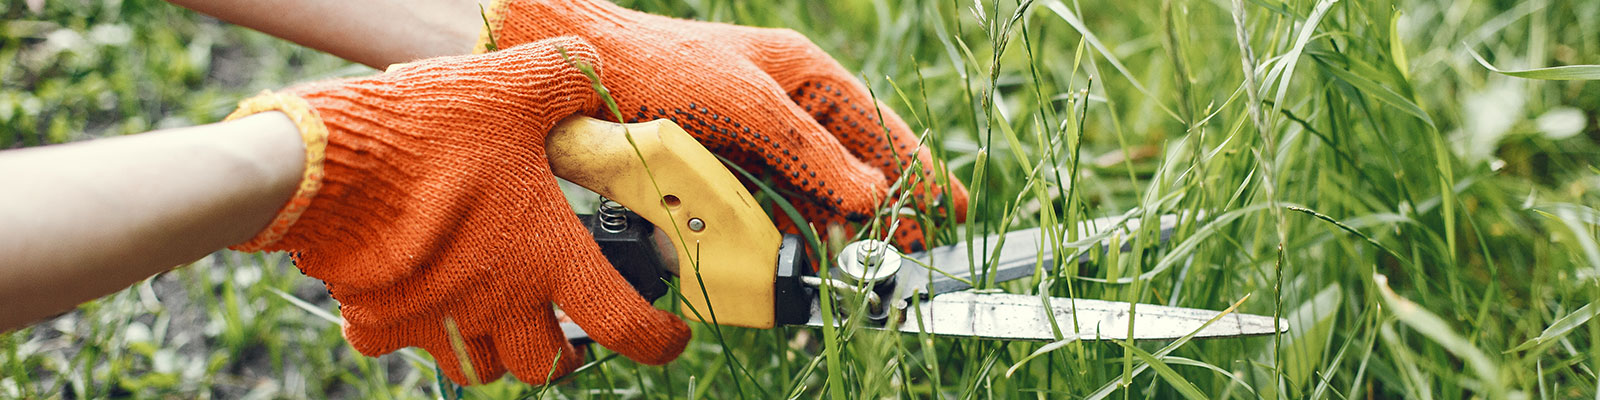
(734, 267)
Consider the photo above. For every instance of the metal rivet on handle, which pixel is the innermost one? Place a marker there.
(696, 224)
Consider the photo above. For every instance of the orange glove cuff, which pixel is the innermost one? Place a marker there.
(315, 136)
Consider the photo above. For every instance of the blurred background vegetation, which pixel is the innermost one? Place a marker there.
(1428, 226)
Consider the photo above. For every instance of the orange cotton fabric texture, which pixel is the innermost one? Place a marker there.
(437, 205)
(768, 99)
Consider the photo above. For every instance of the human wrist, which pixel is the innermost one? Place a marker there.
(314, 138)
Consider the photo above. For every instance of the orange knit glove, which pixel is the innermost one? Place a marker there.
(768, 99)
(436, 204)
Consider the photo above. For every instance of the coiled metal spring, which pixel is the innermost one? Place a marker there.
(613, 216)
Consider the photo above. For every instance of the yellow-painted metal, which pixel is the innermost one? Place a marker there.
(735, 247)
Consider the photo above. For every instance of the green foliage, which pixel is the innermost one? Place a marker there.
(81, 69)
(1368, 140)
(1561, 73)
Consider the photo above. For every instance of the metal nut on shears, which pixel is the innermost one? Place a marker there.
(869, 262)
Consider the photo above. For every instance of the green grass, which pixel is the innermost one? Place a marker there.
(1428, 226)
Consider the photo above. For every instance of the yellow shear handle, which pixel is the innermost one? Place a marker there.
(726, 244)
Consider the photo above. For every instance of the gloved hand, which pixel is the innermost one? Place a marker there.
(768, 99)
(434, 202)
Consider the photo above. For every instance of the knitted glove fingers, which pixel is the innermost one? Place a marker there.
(625, 324)
(507, 313)
(535, 350)
(431, 335)
(835, 99)
(578, 278)
(821, 166)
(872, 131)
(485, 364)
(755, 122)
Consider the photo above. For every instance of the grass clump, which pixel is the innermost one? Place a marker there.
(1427, 225)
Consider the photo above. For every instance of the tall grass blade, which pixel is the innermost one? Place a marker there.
(1041, 351)
(1381, 93)
(488, 30)
(1077, 23)
(1397, 47)
(1111, 387)
(1165, 371)
(1311, 327)
(308, 307)
(1291, 59)
(1436, 329)
(1560, 328)
(1561, 73)
(1580, 219)
(458, 345)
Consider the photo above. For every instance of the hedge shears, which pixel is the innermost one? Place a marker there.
(734, 268)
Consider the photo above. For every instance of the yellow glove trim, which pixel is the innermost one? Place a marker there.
(493, 16)
(315, 136)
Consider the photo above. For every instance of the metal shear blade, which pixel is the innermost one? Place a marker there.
(1022, 317)
(939, 301)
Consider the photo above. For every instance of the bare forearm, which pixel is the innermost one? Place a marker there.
(86, 219)
(372, 32)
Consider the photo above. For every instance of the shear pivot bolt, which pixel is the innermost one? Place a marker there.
(869, 261)
(696, 224)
